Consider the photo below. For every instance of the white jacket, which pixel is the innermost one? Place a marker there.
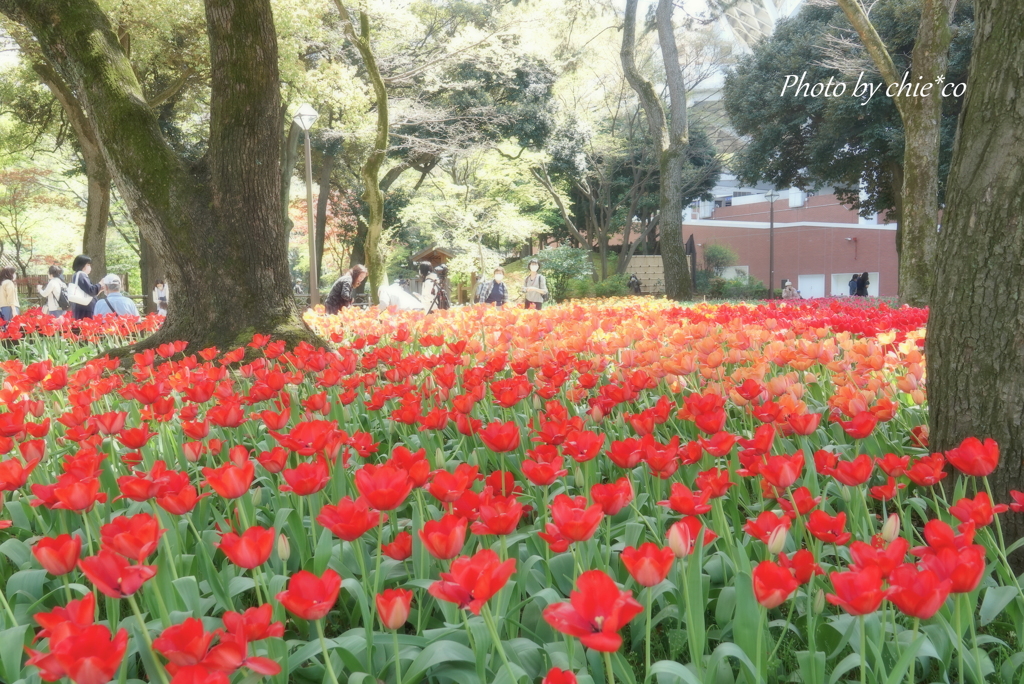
(52, 293)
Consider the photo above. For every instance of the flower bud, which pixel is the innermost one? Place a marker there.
(844, 492)
(777, 540)
(819, 602)
(284, 548)
(578, 477)
(439, 458)
(536, 402)
(257, 496)
(680, 540)
(891, 528)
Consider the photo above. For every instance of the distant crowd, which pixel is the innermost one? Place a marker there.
(79, 297)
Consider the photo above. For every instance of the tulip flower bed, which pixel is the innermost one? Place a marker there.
(617, 492)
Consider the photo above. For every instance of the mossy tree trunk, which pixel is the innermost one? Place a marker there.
(922, 118)
(216, 224)
(373, 197)
(975, 344)
(671, 138)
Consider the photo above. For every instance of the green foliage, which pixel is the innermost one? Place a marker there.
(719, 257)
(565, 267)
(810, 142)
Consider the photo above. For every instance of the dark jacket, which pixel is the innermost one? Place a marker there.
(853, 286)
(492, 292)
(862, 286)
(340, 295)
(79, 311)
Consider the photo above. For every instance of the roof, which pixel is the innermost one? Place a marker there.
(434, 253)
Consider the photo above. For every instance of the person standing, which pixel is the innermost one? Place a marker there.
(493, 291)
(115, 302)
(862, 284)
(9, 304)
(342, 292)
(853, 285)
(535, 287)
(160, 297)
(790, 292)
(82, 266)
(52, 291)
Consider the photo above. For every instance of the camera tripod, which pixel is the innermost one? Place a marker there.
(440, 297)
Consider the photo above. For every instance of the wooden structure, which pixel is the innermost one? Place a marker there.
(436, 256)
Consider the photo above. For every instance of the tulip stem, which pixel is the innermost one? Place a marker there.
(323, 648)
(863, 652)
(489, 620)
(10, 613)
(647, 636)
(785, 631)
(145, 636)
(609, 674)
(398, 659)
(913, 663)
(960, 637)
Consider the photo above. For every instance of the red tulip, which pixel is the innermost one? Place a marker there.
(306, 478)
(682, 500)
(978, 510)
(765, 523)
(853, 473)
(385, 487)
(444, 538)
(715, 482)
(113, 575)
(184, 644)
(893, 465)
(613, 497)
(556, 676)
(595, 612)
(135, 438)
(827, 528)
(1018, 501)
(199, 674)
(974, 457)
(499, 515)
(861, 426)
(884, 559)
(804, 423)
(413, 462)
(858, 592)
(249, 550)
(500, 437)
(135, 537)
(773, 584)
(583, 445)
(254, 624)
(447, 487)
(393, 607)
(13, 475)
(310, 597)
(349, 519)
(918, 593)
(804, 500)
(574, 519)
(783, 470)
(649, 565)
(964, 567)
(181, 501)
(91, 656)
(274, 460)
(719, 445)
(400, 548)
(928, 470)
(472, 581)
(229, 480)
(110, 423)
(685, 532)
(543, 465)
(802, 565)
(58, 555)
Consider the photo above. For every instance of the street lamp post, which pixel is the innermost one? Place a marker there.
(304, 119)
(771, 197)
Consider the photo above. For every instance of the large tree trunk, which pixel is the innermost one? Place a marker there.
(671, 139)
(975, 344)
(921, 116)
(216, 224)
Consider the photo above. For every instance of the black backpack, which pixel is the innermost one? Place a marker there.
(62, 298)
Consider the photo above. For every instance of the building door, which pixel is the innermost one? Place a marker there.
(811, 286)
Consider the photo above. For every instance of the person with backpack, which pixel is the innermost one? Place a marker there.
(535, 288)
(853, 285)
(9, 304)
(55, 292)
(81, 292)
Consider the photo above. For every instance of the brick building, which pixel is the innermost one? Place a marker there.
(819, 243)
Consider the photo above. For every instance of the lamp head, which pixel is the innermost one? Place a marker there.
(305, 117)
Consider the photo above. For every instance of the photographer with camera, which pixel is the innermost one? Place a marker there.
(432, 292)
